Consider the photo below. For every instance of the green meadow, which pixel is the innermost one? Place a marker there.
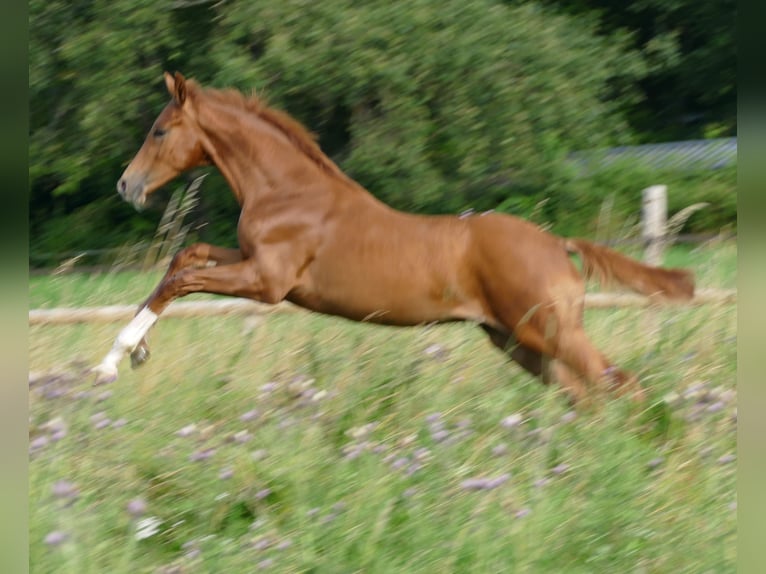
(294, 442)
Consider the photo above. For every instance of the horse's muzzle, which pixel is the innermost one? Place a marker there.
(132, 193)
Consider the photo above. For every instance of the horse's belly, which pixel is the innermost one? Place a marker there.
(380, 301)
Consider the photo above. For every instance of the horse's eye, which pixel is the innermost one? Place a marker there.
(159, 132)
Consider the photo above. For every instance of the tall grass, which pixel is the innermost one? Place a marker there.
(304, 443)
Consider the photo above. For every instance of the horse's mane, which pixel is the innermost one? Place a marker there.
(295, 132)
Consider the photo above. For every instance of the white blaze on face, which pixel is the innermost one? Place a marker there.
(126, 341)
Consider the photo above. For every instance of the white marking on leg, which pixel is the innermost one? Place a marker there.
(126, 341)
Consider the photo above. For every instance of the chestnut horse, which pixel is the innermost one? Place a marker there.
(310, 235)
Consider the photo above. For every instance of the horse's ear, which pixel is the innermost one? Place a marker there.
(176, 85)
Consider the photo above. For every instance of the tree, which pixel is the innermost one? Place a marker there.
(689, 47)
(433, 106)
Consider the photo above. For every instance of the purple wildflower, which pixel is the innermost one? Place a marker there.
(188, 430)
(480, 483)
(136, 507)
(242, 437)
(655, 462)
(103, 396)
(522, 512)
(511, 421)
(265, 563)
(440, 435)
(226, 473)
(65, 489)
(500, 449)
(400, 462)
(284, 544)
(56, 538)
(58, 435)
(101, 424)
(421, 453)
(560, 468)
(99, 416)
(261, 543)
(263, 493)
(716, 406)
(434, 418)
(249, 415)
(201, 455)
(191, 549)
(38, 443)
(726, 459)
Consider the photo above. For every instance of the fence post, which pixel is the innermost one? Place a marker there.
(653, 221)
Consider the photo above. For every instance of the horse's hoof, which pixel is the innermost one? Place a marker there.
(104, 374)
(139, 356)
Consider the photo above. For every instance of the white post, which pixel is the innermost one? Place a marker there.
(653, 220)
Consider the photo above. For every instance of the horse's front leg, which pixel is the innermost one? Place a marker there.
(133, 338)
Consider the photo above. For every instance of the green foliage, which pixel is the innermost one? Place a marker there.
(690, 51)
(433, 106)
(445, 106)
(608, 202)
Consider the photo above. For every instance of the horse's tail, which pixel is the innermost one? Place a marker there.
(609, 266)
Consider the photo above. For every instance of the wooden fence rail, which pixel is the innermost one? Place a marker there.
(246, 307)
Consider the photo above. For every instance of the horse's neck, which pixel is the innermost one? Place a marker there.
(260, 163)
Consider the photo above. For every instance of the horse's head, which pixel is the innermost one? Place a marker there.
(172, 146)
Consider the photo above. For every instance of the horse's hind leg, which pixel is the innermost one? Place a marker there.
(196, 255)
(547, 368)
(577, 351)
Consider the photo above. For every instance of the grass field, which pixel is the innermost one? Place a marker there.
(304, 443)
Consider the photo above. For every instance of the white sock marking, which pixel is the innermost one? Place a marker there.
(127, 340)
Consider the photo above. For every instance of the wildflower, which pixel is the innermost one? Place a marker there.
(249, 415)
(500, 449)
(147, 527)
(56, 538)
(726, 459)
(38, 443)
(261, 543)
(261, 494)
(201, 455)
(440, 435)
(511, 421)
(188, 430)
(484, 483)
(65, 489)
(136, 507)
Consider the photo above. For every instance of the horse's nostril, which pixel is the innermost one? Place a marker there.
(121, 186)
